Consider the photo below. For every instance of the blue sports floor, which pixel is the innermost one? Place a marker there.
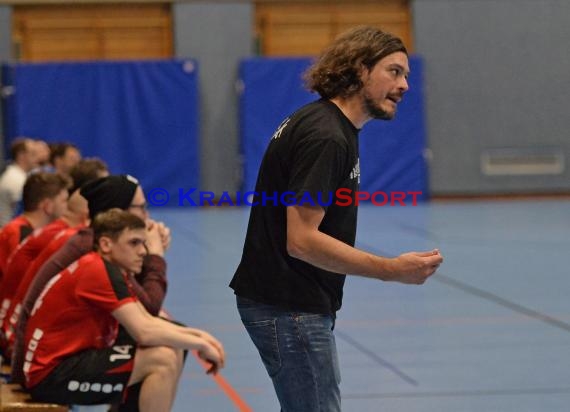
(489, 333)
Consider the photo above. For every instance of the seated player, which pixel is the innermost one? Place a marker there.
(24, 258)
(45, 199)
(123, 192)
(72, 354)
(27, 255)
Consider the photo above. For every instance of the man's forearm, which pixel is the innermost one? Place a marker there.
(328, 253)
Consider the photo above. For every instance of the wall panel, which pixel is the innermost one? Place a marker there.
(304, 28)
(92, 31)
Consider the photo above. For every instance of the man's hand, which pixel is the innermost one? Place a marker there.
(415, 267)
(154, 241)
(211, 340)
(164, 235)
(210, 354)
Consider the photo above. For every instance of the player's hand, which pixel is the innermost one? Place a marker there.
(154, 243)
(212, 341)
(415, 267)
(213, 356)
(164, 235)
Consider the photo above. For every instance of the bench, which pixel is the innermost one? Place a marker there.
(14, 399)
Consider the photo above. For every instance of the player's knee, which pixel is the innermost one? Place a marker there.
(168, 359)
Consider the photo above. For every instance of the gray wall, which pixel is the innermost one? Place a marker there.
(5, 31)
(5, 48)
(218, 36)
(497, 76)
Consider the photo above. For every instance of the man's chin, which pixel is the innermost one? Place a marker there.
(383, 115)
(376, 112)
(136, 269)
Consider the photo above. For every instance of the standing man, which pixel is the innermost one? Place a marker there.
(290, 279)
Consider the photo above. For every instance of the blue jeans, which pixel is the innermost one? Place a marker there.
(299, 352)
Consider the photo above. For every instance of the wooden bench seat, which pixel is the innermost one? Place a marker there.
(14, 399)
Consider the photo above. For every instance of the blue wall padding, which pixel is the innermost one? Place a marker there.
(140, 117)
(391, 153)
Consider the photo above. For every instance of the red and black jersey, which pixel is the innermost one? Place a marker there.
(44, 243)
(24, 254)
(23, 301)
(149, 286)
(11, 236)
(73, 314)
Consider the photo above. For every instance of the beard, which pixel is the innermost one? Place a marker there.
(374, 109)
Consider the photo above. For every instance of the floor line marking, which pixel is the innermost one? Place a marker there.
(439, 277)
(225, 386)
(502, 301)
(376, 358)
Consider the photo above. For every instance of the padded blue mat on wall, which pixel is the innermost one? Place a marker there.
(140, 117)
(391, 153)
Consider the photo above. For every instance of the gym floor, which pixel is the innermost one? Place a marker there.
(490, 332)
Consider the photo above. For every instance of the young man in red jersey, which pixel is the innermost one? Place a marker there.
(73, 356)
(24, 258)
(123, 192)
(45, 199)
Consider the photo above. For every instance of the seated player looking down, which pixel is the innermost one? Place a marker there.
(72, 355)
(30, 255)
(123, 192)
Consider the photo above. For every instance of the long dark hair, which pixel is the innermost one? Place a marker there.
(336, 73)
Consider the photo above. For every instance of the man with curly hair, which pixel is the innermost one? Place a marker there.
(289, 282)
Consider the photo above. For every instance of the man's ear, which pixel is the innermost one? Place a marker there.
(105, 244)
(364, 72)
(46, 205)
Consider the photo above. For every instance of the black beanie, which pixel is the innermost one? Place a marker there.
(108, 192)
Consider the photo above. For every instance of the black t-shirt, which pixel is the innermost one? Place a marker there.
(313, 153)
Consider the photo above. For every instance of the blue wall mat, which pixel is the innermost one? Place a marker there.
(140, 117)
(391, 153)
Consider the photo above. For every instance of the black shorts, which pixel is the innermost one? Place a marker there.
(94, 376)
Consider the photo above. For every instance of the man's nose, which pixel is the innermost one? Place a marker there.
(404, 86)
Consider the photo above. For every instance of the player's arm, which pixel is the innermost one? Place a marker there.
(148, 330)
(307, 243)
(150, 285)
